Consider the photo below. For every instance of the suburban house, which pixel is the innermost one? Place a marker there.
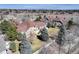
(29, 26)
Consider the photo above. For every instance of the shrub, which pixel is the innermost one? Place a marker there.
(38, 18)
(13, 46)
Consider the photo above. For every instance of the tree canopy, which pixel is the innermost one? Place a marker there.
(9, 29)
(44, 35)
(38, 18)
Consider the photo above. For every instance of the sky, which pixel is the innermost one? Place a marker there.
(40, 6)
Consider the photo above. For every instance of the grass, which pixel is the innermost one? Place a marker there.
(36, 44)
(53, 31)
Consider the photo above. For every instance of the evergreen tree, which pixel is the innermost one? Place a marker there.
(25, 46)
(44, 35)
(9, 29)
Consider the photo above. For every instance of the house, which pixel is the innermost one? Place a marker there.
(39, 24)
(30, 26)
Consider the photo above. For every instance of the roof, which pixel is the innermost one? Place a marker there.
(23, 27)
(39, 24)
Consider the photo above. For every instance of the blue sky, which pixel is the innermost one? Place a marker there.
(39, 6)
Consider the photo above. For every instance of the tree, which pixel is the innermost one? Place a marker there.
(44, 35)
(59, 40)
(20, 37)
(9, 29)
(50, 24)
(61, 34)
(38, 18)
(4, 26)
(70, 23)
(25, 46)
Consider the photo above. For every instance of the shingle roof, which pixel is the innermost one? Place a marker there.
(23, 27)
